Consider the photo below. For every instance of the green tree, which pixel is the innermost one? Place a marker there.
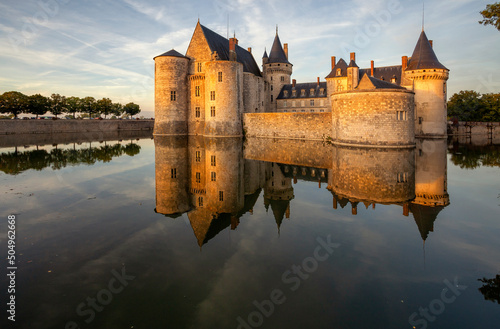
(58, 104)
(131, 109)
(117, 109)
(89, 105)
(465, 105)
(73, 105)
(490, 107)
(105, 106)
(491, 15)
(38, 105)
(13, 102)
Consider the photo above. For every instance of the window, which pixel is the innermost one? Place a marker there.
(302, 103)
(172, 96)
(271, 87)
(212, 95)
(339, 72)
(401, 115)
(285, 93)
(311, 93)
(322, 102)
(294, 93)
(322, 91)
(302, 110)
(198, 177)
(402, 177)
(284, 103)
(212, 160)
(271, 98)
(212, 111)
(200, 201)
(221, 195)
(197, 112)
(312, 111)
(322, 110)
(173, 173)
(293, 104)
(220, 76)
(283, 183)
(285, 111)
(198, 156)
(197, 91)
(302, 92)
(199, 67)
(340, 87)
(282, 79)
(311, 102)
(213, 176)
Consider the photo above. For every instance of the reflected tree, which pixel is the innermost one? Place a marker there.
(491, 289)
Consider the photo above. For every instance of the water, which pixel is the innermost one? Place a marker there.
(303, 235)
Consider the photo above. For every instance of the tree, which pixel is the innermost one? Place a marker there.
(117, 109)
(491, 15)
(13, 102)
(58, 104)
(490, 104)
(105, 106)
(89, 105)
(38, 105)
(465, 105)
(73, 105)
(131, 109)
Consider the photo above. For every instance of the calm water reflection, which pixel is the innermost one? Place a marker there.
(222, 233)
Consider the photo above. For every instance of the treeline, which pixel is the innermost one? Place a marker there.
(469, 105)
(15, 103)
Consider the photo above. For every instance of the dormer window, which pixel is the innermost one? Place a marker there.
(285, 93)
(302, 92)
(311, 93)
(339, 72)
(322, 91)
(294, 93)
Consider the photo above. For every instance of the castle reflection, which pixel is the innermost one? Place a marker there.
(217, 180)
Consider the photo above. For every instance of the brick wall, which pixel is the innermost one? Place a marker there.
(311, 126)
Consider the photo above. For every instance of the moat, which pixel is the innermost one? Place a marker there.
(132, 231)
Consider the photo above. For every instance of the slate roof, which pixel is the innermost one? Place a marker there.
(352, 64)
(277, 54)
(306, 87)
(265, 54)
(385, 73)
(220, 44)
(342, 65)
(368, 82)
(172, 53)
(423, 56)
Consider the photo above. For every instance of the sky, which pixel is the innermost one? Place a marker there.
(105, 48)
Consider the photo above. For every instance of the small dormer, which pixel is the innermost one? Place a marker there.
(311, 92)
(285, 93)
(302, 92)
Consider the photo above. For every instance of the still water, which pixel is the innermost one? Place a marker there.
(135, 232)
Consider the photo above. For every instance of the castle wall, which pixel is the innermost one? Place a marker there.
(311, 126)
(253, 93)
(371, 118)
(196, 116)
(228, 102)
(171, 112)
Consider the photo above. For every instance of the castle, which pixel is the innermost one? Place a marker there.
(217, 89)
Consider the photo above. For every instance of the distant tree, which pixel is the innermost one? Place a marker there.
(58, 104)
(38, 105)
(491, 15)
(13, 102)
(89, 106)
(490, 107)
(73, 105)
(117, 109)
(131, 109)
(105, 106)
(465, 105)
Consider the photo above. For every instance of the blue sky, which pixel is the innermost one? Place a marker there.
(106, 48)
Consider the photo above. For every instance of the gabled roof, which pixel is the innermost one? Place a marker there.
(277, 54)
(385, 73)
(171, 53)
(368, 82)
(342, 65)
(220, 44)
(303, 86)
(423, 56)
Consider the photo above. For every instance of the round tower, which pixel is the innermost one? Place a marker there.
(171, 94)
(277, 72)
(428, 77)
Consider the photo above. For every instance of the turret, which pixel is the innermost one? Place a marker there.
(277, 71)
(352, 73)
(427, 77)
(171, 95)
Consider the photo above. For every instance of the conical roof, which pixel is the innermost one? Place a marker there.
(277, 54)
(265, 54)
(172, 53)
(423, 56)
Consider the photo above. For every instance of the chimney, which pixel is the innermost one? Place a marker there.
(353, 56)
(285, 46)
(318, 81)
(232, 49)
(406, 209)
(373, 68)
(405, 62)
(354, 209)
(250, 50)
(334, 62)
(432, 43)
(294, 82)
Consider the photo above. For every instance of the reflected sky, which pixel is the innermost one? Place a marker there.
(205, 266)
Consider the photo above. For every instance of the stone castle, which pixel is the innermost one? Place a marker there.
(217, 89)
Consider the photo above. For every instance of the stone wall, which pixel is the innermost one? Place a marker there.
(371, 118)
(310, 126)
(8, 127)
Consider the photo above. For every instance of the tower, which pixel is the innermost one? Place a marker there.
(277, 71)
(171, 94)
(352, 73)
(428, 78)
